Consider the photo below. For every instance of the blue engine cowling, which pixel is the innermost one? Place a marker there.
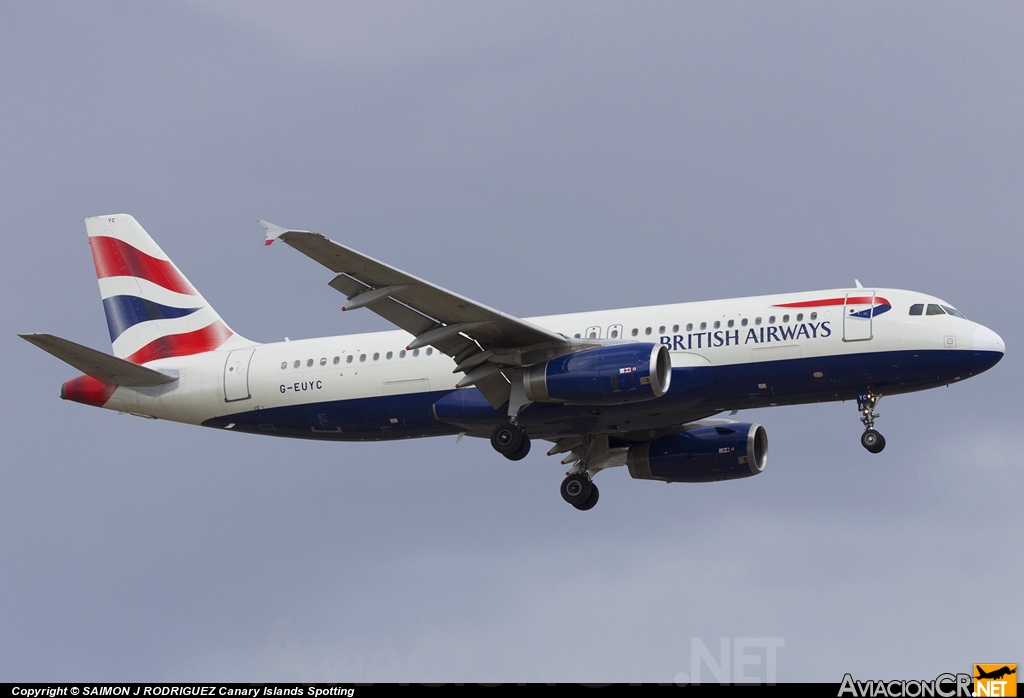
(702, 454)
(603, 376)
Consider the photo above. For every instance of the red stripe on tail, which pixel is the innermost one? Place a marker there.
(197, 342)
(114, 257)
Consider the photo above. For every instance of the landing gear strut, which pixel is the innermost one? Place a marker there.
(870, 439)
(510, 440)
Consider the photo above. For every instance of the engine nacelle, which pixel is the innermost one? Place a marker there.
(702, 454)
(602, 376)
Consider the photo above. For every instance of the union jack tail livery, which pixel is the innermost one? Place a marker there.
(153, 312)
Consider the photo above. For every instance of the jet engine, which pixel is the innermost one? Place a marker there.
(610, 375)
(701, 454)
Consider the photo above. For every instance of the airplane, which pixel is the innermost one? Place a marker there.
(640, 387)
(995, 674)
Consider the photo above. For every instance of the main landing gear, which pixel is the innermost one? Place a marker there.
(870, 439)
(578, 487)
(510, 440)
(580, 491)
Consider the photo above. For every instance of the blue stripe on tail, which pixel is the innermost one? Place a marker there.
(125, 311)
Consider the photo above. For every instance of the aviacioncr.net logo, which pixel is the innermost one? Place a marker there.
(943, 686)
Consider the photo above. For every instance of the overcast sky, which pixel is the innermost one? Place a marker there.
(540, 158)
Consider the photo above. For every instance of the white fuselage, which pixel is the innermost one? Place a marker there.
(706, 334)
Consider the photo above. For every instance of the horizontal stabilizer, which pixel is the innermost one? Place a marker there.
(103, 367)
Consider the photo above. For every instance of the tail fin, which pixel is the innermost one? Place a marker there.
(153, 312)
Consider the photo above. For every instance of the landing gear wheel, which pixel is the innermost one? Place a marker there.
(524, 448)
(591, 500)
(576, 490)
(507, 438)
(872, 441)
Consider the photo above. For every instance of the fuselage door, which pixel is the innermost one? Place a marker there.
(236, 375)
(858, 316)
(593, 333)
(615, 332)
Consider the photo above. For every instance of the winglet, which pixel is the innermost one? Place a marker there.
(276, 231)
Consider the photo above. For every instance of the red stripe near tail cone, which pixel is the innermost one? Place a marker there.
(197, 342)
(114, 257)
(87, 390)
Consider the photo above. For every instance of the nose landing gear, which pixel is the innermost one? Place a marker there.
(870, 439)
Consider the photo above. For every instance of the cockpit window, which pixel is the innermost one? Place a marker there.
(917, 308)
(934, 309)
(953, 311)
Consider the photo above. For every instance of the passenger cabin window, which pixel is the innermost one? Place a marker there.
(661, 330)
(703, 326)
(430, 350)
(814, 316)
(731, 323)
(376, 355)
(934, 309)
(647, 331)
(297, 364)
(284, 365)
(401, 354)
(323, 361)
(635, 332)
(362, 357)
(309, 362)
(717, 324)
(917, 308)
(757, 321)
(689, 327)
(337, 360)
(348, 359)
(800, 317)
(771, 320)
(743, 322)
(785, 318)
(675, 328)
(389, 355)
(415, 352)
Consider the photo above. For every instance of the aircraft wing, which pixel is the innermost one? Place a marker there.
(470, 332)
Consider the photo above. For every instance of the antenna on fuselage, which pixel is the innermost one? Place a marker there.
(857, 281)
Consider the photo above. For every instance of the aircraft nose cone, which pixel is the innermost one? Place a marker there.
(987, 340)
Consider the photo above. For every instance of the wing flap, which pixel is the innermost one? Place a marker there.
(103, 367)
(401, 315)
